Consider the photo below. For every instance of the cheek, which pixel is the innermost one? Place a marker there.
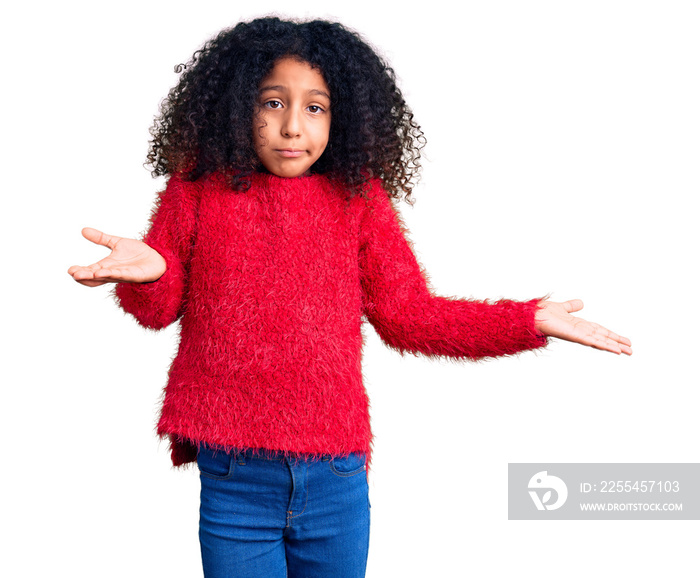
(324, 135)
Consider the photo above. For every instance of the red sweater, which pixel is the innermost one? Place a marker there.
(271, 287)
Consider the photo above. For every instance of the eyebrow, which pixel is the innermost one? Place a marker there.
(281, 88)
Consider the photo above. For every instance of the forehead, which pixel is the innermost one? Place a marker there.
(293, 74)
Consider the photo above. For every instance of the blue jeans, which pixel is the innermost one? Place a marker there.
(269, 516)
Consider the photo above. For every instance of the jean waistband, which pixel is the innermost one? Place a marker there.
(266, 454)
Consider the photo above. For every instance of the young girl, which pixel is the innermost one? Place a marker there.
(276, 236)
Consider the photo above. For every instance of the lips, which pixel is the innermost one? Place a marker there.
(290, 153)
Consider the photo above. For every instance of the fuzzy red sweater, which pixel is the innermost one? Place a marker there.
(272, 286)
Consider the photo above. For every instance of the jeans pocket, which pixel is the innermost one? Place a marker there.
(215, 464)
(348, 466)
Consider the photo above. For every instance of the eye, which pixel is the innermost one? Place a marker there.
(273, 104)
(315, 109)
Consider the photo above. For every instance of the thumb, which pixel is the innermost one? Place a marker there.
(573, 305)
(99, 238)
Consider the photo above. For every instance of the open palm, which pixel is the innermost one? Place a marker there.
(555, 320)
(130, 261)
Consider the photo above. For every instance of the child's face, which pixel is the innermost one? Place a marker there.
(291, 131)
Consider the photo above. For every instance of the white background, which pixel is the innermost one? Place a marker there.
(562, 158)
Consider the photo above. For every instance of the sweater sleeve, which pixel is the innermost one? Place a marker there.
(172, 225)
(410, 318)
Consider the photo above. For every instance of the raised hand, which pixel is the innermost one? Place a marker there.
(555, 319)
(130, 261)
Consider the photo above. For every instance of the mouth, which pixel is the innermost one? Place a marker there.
(291, 153)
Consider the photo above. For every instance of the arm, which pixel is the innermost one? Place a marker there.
(171, 233)
(151, 274)
(408, 317)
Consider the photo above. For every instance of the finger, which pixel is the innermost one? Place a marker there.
(608, 343)
(611, 335)
(91, 282)
(108, 274)
(86, 277)
(618, 338)
(84, 274)
(622, 343)
(604, 344)
(79, 273)
(621, 347)
(93, 271)
(573, 305)
(89, 271)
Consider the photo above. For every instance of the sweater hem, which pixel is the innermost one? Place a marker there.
(184, 450)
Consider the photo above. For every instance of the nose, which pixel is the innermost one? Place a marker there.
(291, 125)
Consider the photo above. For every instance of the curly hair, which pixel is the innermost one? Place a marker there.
(205, 123)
